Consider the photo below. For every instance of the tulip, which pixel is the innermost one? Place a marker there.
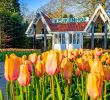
(12, 67)
(29, 65)
(51, 63)
(97, 67)
(33, 58)
(108, 60)
(98, 51)
(24, 77)
(94, 85)
(91, 61)
(65, 53)
(64, 62)
(104, 57)
(39, 68)
(24, 57)
(82, 64)
(78, 72)
(106, 73)
(67, 69)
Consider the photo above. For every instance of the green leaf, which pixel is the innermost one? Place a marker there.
(1, 95)
(58, 89)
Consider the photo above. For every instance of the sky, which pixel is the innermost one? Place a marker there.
(33, 5)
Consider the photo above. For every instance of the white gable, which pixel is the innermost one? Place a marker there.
(36, 18)
(98, 12)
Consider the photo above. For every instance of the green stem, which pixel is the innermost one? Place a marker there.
(43, 88)
(66, 91)
(52, 82)
(8, 90)
(12, 89)
(86, 95)
(82, 80)
(21, 93)
(26, 93)
(105, 90)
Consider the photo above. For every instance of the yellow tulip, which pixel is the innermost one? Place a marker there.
(94, 85)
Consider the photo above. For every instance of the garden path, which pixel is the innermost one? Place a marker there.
(2, 79)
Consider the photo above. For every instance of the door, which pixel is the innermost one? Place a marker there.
(75, 40)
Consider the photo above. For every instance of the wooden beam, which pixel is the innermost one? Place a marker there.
(92, 35)
(45, 38)
(105, 36)
(34, 37)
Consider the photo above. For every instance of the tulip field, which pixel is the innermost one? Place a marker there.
(58, 75)
(18, 52)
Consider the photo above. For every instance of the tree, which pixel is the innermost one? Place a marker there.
(65, 16)
(12, 25)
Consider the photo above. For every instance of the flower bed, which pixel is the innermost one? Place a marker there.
(59, 75)
(18, 52)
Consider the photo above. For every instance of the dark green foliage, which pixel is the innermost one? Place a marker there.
(65, 16)
(12, 25)
(71, 16)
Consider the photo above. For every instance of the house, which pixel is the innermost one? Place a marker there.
(69, 33)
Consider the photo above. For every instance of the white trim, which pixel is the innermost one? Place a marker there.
(68, 32)
(104, 18)
(44, 22)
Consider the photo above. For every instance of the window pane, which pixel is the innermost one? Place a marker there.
(70, 38)
(78, 38)
(63, 38)
(59, 38)
(74, 38)
(56, 38)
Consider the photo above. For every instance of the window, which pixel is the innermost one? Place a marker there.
(59, 38)
(78, 38)
(70, 38)
(74, 38)
(63, 39)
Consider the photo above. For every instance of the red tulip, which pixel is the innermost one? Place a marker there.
(12, 67)
(24, 77)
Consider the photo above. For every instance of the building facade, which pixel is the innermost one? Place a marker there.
(69, 33)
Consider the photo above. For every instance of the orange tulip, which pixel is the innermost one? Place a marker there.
(97, 67)
(64, 62)
(94, 85)
(104, 57)
(12, 67)
(67, 69)
(33, 58)
(24, 77)
(78, 72)
(29, 65)
(108, 60)
(51, 63)
(107, 73)
(39, 68)
(24, 57)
